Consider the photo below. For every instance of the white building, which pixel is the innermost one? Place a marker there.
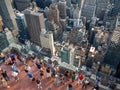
(47, 41)
(76, 14)
(9, 36)
(21, 16)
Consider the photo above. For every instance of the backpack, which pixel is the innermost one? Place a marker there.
(30, 75)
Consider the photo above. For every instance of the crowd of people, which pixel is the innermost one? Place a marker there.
(45, 71)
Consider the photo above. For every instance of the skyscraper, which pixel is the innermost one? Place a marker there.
(53, 22)
(88, 9)
(76, 14)
(8, 16)
(53, 14)
(62, 8)
(22, 26)
(35, 23)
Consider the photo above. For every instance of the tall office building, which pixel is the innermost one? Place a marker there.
(76, 14)
(62, 8)
(76, 11)
(22, 4)
(1, 24)
(22, 26)
(35, 23)
(53, 22)
(88, 9)
(91, 35)
(53, 13)
(47, 41)
(8, 16)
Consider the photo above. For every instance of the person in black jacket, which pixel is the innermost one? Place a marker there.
(70, 87)
(4, 74)
(48, 72)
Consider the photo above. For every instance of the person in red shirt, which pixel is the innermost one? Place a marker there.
(80, 78)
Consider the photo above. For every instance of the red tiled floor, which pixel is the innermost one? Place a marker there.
(26, 84)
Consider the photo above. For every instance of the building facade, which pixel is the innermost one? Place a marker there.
(9, 36)
(53, 20)
(47, 41)
(67, 54)
(8, 16)
(62, 8)
(22, 26)
(35, 23)
(53, 14)
(51, 26)
(88, 9)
